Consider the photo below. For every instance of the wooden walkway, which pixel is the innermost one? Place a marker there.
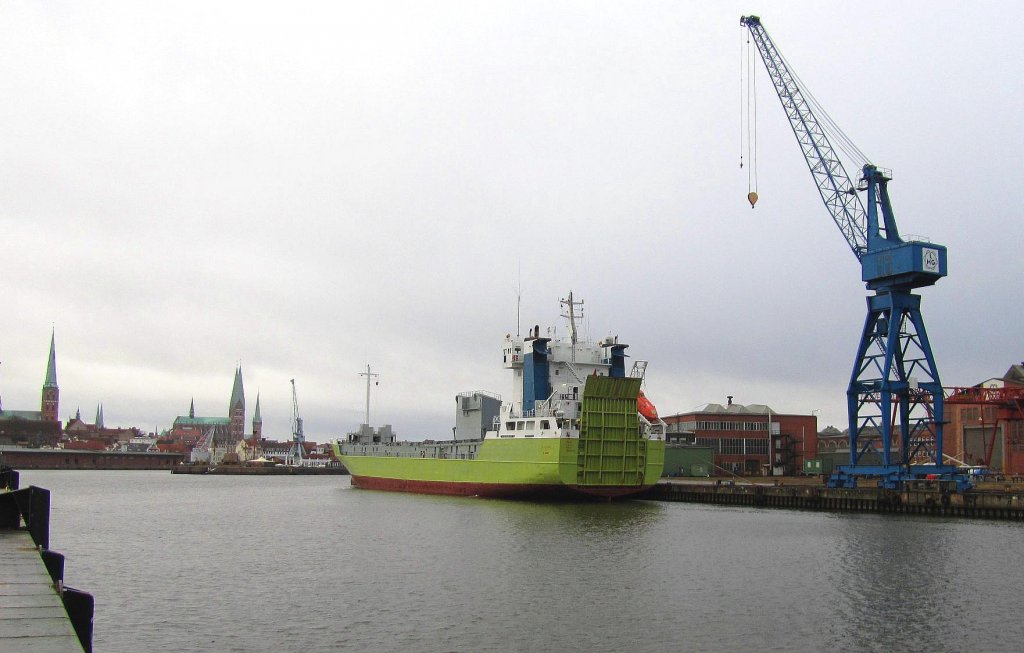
(32, 615)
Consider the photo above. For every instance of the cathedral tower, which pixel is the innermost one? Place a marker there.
(51, 393)
(236, 408)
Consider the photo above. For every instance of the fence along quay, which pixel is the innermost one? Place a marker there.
(914, 497)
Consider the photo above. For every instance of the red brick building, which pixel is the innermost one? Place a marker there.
(752, 440)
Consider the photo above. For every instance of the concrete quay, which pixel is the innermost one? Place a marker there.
(917, 497)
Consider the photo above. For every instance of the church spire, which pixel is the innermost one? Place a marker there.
(51, 366)
(99, 416)
(51, 393)
(236, 409)
(257, 422)
(192, 408)
(237, 391)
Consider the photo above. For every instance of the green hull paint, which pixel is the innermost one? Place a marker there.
(610, 457)
(540, 461)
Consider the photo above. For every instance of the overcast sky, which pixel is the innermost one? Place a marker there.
(309, 187)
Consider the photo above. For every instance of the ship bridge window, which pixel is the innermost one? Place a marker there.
(531, 425)
(544, 424)
(520, 425)
(510, 426)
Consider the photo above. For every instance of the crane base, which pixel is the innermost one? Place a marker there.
(893, 477)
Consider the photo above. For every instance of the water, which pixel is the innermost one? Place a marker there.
(220, 563)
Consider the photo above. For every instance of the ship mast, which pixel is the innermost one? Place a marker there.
(369, 375)
(570, 315)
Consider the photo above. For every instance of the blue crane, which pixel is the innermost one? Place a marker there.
(894, 391)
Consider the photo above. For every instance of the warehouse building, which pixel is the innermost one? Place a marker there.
(751, 440)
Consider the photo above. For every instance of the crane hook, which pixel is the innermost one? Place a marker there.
(752, 198)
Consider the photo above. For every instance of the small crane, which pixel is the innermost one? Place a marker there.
(297, 450)
(895, 383)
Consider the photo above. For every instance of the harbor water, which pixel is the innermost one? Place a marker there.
(235, 563)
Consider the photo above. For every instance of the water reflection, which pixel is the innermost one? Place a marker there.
(909, 579)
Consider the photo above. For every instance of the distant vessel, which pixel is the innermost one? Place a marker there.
(577, 424)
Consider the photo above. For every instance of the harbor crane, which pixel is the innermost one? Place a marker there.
(295, 454)
(894, 391)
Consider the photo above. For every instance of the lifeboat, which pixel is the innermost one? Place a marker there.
(646, 408)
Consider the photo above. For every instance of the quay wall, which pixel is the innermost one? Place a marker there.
(920, 498)
(72, 459)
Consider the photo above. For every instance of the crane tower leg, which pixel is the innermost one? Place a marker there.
(894, 387)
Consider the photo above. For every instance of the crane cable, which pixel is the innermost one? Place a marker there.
(748, 114)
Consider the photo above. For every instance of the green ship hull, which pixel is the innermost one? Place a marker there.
(610, 458)
(512, 468)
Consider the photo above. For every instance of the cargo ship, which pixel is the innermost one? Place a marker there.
(577, 424)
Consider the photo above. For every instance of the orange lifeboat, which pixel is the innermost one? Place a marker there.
(646, 408)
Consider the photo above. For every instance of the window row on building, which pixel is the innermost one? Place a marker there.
(735, 446)
(727, 426)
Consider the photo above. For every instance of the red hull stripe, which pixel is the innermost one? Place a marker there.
(490, 490)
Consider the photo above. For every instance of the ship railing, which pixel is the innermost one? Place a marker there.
(542, 411)
(485, 393)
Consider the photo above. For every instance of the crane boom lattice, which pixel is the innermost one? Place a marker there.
(834, 185)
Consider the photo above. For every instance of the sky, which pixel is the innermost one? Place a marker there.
(306, 188)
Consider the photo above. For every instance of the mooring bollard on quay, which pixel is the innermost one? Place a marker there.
(37, 611)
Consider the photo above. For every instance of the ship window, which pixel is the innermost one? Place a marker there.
(531, 425)
(520, 425)
(510, 426)
(544, 424)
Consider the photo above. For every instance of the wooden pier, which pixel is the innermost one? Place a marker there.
(37, 611)
(917, 497)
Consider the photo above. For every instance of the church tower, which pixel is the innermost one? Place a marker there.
(236, 408)
(257, 422)
(51, 393)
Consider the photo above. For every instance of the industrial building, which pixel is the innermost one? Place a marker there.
(985, 424)
(751, 440)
